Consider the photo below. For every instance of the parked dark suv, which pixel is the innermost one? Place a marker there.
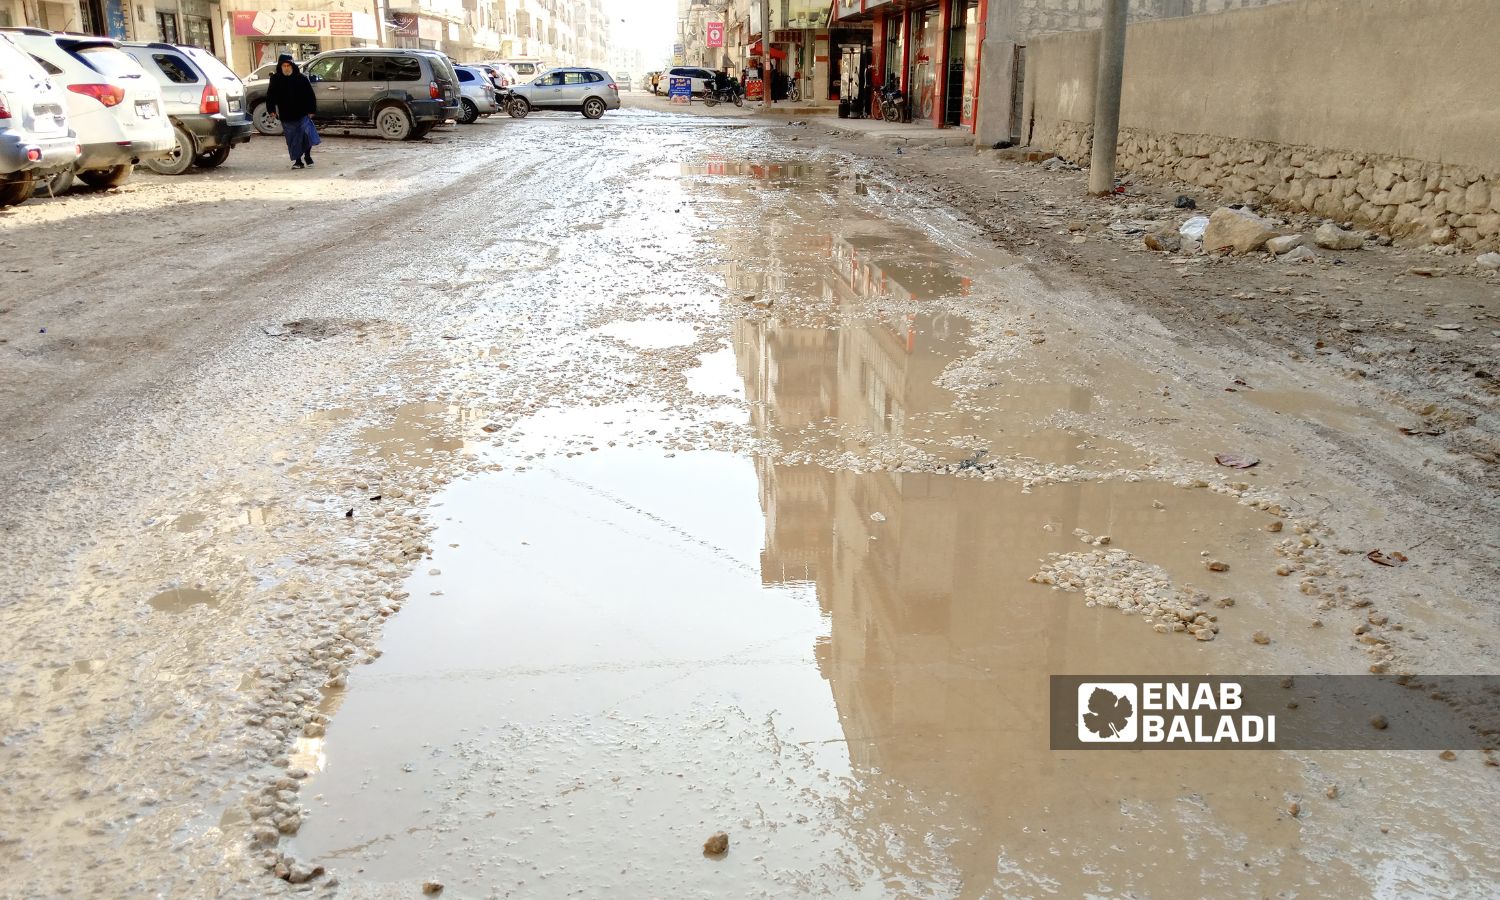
(400, 93)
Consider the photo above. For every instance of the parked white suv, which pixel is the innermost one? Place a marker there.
(204, 101)
(34, 132)
(113, 105)
(701, 79)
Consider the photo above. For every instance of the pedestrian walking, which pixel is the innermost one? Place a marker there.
(290, 98)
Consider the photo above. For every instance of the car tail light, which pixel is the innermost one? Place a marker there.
(107, 94)
(4, 110)
(434, 90)
(613, 86)
(33, 154)
(210, 102)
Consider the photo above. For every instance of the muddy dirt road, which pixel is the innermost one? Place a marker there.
(514, 510)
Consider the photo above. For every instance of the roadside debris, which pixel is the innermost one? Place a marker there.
(717, 844)
(1194, 228)
(1236, 460)
(1393, 559)
(1239, 230)
(1185, 202)
(1285, 244)
(1331, 237)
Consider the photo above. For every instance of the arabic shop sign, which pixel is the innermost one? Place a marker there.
(290, 23)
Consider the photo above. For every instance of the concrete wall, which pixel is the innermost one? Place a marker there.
(1013, 23)
(1302, 104)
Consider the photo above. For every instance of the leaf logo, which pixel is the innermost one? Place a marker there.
(1107, 712)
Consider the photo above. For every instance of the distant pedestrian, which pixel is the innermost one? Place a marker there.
(867, 84)
(290, 98)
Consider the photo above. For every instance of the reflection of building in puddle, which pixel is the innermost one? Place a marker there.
(778, 174)
(939, 646)
(938, 660)
(417, 432)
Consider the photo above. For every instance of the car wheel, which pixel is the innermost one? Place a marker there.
(518, 108)
(56, 182)
(17, 189)
(593, 108)
(103, 179)
(265, 123)
(180, 160)
(393, 123)
(211, 159)
(468, 112)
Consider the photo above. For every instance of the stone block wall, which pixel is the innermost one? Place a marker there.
(1415, 201)
(1367, 111)
(1034, 17)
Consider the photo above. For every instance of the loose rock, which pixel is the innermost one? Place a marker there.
(432, 887)
(1260, 637)
(1285, 244)
(716, 845)
(1331, 237)
(1239, 230)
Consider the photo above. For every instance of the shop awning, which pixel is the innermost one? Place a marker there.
(757, 50)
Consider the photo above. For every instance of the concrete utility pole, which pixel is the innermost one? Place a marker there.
(1107, 97)
(765, 54)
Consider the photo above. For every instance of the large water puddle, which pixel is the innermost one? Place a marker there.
(846, 672)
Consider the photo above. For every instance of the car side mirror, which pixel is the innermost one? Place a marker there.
(315, 78)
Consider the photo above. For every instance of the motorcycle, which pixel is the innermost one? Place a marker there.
(732, 93)
(892, 104)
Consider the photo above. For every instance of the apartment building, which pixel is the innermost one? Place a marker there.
(248, 33)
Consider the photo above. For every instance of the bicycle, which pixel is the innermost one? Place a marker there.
(794, 90)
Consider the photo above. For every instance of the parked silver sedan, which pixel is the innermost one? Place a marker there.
(589, 91)
(477, 94)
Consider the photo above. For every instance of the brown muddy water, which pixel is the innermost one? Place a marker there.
(830, 648)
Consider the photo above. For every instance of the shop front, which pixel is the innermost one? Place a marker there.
(186, 22)
(799, 28)
(256, 36)
(929, 50)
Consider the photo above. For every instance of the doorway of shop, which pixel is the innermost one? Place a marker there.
(962, 87)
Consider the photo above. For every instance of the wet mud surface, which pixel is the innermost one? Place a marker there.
(737, 492)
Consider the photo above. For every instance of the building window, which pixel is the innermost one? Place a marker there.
(198, 31)
(166, 27)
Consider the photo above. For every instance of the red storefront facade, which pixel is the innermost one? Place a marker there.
(931, 49)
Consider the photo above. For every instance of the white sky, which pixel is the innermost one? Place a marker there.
(647, 25)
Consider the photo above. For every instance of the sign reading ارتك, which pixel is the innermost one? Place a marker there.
(291, 23)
